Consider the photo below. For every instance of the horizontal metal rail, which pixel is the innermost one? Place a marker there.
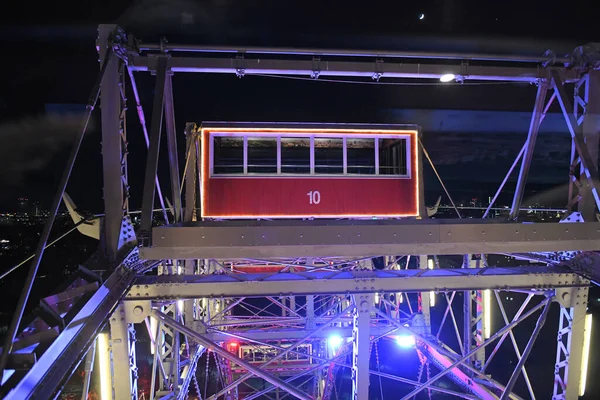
(369, 281)
(336, 68)
(190, 48)
(232, 240)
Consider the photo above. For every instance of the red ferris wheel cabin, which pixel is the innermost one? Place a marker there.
(283, 171)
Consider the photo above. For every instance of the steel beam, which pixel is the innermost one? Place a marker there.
(153, 148)
(171, 130)
(569, 354)
(521, 363)
(587, 97)
(361, 346)
(534, 127)
(224, 353)
(315, 67)
(112, 152)
(291, 334)
(588, 163)
(320, 283)
(264, 51)
(70, 347)
(365, 239)
(123, 362)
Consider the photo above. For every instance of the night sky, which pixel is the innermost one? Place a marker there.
(53, 60)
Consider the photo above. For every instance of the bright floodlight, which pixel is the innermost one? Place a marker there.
(405, 341)
(447, 77)
(334, 341)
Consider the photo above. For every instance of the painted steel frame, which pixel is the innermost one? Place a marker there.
(430, 238)
(230, 240)
(370, 281)
(377, 69)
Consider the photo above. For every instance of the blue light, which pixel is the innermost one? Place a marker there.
(335, 341)
(405, 341)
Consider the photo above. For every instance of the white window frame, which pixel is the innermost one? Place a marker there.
(311, 136)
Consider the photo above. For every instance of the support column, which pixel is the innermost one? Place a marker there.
(534, 127)
(171, 130)
(114, 159)
(191, 184)
(587, 113)
(153, 149)
(588, 182)
(88, 370)
(123, 362)
(569, 352)
(426, 297)
(474, 322)
(361, 346)
(168, 352)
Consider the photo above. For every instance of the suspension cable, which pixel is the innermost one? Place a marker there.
(48, 245)
(439, 177)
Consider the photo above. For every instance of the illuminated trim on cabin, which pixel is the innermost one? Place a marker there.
(414, 162)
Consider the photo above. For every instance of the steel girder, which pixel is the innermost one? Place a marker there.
(396, 69)
(321, 283)
(365, 238)
(71, 346)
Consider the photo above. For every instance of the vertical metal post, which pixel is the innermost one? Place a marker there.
(569, 353)
(361, 346)
(473, 323)
(110, 103)
(467, 312)
(172, 146)
(191, 187)
(425, 299)
(189, 266)
(588, 164)
(88, 370)
(142, 118)
(534, 127)
(478, 320)
(310, 312)
(420, 175)
(122, 346)
(587, 96)
(168, 353)
(153, 149)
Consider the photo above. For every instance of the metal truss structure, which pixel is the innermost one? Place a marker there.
(356, 282)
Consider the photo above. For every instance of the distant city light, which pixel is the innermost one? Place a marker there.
(447, 77)
(335, 341)
(405, 341)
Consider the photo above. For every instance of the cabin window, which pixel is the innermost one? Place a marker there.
(228, 153)
(295, 155)
(315, 155)
(392, 157)
(262, 155)
(329, 156)
(361, 156)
